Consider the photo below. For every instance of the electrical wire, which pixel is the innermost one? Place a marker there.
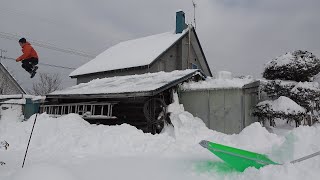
(44, 64)
(46, 45)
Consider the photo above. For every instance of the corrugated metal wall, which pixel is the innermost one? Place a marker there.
(223, 110)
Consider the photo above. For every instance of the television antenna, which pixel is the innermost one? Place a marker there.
(194, 13)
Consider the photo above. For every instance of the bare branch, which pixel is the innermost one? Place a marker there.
(47, 84)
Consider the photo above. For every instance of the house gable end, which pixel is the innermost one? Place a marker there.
(8, 83)
(197, 45)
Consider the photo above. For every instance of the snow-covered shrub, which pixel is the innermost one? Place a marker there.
(276, 88)
(306, 94)
(283, 108)
(296, 66)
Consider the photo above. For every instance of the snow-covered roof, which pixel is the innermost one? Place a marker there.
(133, 53)
(223, 80)
(128, 84)
(14, 101)
(21, 96)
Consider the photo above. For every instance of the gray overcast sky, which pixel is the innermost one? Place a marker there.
(239, 36)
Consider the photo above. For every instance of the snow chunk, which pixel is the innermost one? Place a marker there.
(284, 105)
(224, 75)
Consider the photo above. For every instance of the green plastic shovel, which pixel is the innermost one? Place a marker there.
(241, 159)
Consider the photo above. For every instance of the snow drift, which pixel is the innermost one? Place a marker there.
(71, 148)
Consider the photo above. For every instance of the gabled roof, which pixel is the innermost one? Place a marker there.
(147, 84)
(133, 53)
(11, 79)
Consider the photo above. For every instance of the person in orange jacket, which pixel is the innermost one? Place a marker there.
(29, 58)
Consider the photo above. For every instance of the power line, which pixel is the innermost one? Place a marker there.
(46, 45)
(44, 64)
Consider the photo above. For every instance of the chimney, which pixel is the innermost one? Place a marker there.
(180, 22)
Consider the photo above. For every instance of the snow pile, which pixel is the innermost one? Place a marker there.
(224, 80)
(186, 126)
(283, 105)
(70, 148)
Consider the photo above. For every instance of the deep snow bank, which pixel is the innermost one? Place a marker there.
(69, 138)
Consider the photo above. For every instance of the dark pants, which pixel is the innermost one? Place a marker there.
(28, 64)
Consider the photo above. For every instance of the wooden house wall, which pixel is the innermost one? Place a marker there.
(7, 86)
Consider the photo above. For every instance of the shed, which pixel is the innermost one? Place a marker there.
(139, 100)
(224, 108)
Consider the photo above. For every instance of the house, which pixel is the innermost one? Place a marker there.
(134, 81)
(8, 84)
(166, 52)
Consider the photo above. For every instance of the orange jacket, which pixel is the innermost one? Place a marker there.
(28, 52)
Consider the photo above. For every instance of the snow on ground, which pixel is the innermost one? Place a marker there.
(70, 148)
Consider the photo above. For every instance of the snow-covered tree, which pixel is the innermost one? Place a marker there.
(276, 88)
(296, 66)
(288, 76)
(306, 94)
